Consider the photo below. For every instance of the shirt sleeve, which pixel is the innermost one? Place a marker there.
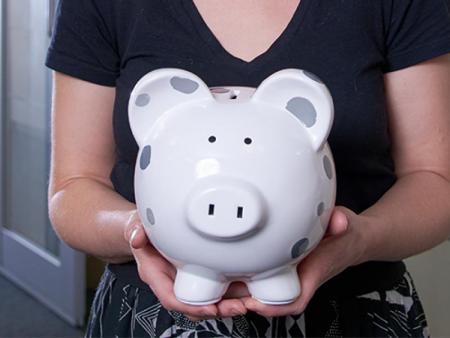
(417, 30)
(83, 44)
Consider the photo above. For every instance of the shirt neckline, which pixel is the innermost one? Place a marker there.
(276, 47)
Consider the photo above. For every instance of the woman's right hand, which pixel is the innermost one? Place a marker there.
(160, 274)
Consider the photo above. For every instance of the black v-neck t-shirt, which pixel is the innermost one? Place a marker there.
(349, 44)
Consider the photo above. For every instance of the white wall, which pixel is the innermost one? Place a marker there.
(431, 273)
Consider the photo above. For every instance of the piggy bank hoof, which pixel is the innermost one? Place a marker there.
(199, 289)
(276, 287)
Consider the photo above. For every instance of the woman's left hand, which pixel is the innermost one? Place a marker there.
(342, 246)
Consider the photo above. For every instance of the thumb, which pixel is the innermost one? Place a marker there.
(138, 238)
(134, 232)
(339, 221)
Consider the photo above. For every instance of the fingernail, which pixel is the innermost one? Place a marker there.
(132, 228)
(344, 221)
(134, 233)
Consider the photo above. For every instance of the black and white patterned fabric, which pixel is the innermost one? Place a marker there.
(121, 310)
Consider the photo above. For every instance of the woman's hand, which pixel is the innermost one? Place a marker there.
(160, 274)
(341, 247)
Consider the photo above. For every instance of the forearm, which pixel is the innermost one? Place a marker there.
(413, 216)
(91, 217)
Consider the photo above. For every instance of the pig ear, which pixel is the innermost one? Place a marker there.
(159, 91)
(303, 95)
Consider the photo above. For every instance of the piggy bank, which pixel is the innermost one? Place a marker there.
(233, 183)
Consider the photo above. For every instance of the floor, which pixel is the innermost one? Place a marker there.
(22, 316)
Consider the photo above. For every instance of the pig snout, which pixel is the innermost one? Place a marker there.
(225, 209)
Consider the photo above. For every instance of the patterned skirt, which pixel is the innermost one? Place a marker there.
(122, 310)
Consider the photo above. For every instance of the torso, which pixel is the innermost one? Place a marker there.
(246, 29)
(212, 41)
(240, 43)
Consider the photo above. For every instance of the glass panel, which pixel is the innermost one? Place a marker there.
(27, 139)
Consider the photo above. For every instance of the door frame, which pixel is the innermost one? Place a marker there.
(58, 282)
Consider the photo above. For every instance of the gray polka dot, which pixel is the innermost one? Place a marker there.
(142, 100)
(313, 77)
(299, 248)
(302, 109)
(184, 85)
(320, 208)
(145, 157)
(327, 167)
(150, 216)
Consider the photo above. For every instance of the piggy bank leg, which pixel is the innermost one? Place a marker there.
(281, 286)
(199, 286)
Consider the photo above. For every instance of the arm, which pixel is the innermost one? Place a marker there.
(414, 214)
(84, 209)
(417, 208)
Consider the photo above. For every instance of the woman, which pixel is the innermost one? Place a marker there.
(387, 68)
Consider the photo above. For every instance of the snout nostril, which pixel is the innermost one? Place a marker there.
(240, 211)
(211, 210)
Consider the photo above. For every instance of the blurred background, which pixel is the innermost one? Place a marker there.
(46, 288)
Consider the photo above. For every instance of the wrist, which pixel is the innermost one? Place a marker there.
(365, 239)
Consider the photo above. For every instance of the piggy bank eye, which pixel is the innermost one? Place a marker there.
(212, 139)
(248, 140)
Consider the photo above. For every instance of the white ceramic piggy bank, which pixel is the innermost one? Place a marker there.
(233, 183)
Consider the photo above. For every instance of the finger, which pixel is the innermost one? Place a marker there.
(149, 258)
(231, 307)
(133, 221)
(138, 238)
(338, 223)
(268, 310)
